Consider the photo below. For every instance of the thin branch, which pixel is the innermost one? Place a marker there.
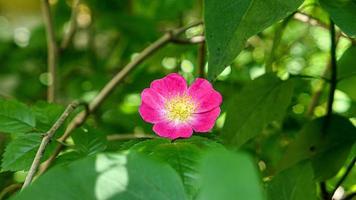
(317, 94)
(45, 141)
(303, 17)
(115, 137)
(201, 59)
(350, 196)
(110, 86)
(9, 189)
(344, 176)
(324, 192)
(52, 57)
(333, 78)
(276, 41)
(68, 36)
(333, 82)
(310, 77)
(193, 40)
(350, 75)
(5, 96)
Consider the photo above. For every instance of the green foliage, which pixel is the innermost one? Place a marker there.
(16, 117)
(127, 176)
(347, 72)
(182, 155)
(343, 13)
(46, 114)
(260, 102)
(275, 96)
(21, 119)
(20, 152)
(322, 146)
(230, 23)
(89, 141)
(229, 176)
(293, 184)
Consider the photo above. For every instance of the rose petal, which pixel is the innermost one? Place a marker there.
(204, 122)
(170, 85)
(173, 131)
(203, 93)
(152, 98)
(150, 114)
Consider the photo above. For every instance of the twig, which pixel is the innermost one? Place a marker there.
(72, 26)
(46, 139)
(276, 41)
(52, 51)
(310, 77)
(317, 94)
(109, 87)
(114, 137)
(344, 176)
(201, 59)
(303, 17)
(350, 196)
(193, 40)
(333, 78)
(5, 96)
(333, 82)
(9, 189)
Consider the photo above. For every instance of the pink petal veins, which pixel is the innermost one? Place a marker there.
(203, 92)
(170, 85)
(149, 114)
(172, 131)
(152, 98)
(204, 122)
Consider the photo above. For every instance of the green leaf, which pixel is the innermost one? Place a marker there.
(229, 23)
(182, 155)
(347, 72)
(229, 176)
(20, 152)
(108, 176)
(15, 117)
(327, 151)
(46, 115)
(260, 102)
(293, 184)
(342, 13)
(89, 141)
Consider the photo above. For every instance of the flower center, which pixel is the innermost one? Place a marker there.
(180, 108)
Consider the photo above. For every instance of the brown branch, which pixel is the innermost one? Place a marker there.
(317, 94)
(9, 189)
(350, 196)
(201, 59)
(193, 40)
(109, 87)
(333, 82)
(114, 137)
(333, 79)
(68, 36)
(45, 141)
(303, 17)
(344, 176)
(52, 57)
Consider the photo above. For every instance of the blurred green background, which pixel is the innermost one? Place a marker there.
(110, 33)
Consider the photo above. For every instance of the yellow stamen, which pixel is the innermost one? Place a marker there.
(180, 108)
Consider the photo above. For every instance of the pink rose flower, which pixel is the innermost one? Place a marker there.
(176, 109)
